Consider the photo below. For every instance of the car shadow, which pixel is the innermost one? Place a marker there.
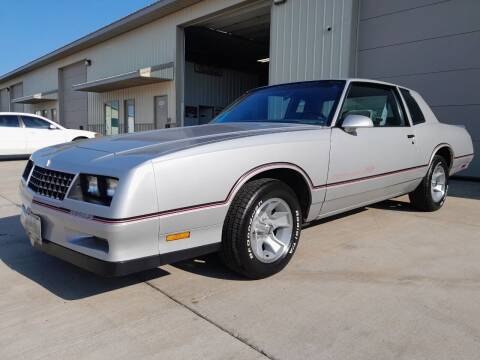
(209, 266)
(394, 205)
(333, 218)
(5, 158)
(59, 277)
(464, 188)
(212, 266)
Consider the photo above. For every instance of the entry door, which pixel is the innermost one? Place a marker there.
(161, 111)
(73, 105)
(372, 163)
(12, 136)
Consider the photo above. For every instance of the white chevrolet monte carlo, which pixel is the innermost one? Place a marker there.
(21, 134)
(279, 157)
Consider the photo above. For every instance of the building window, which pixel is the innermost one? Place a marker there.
(129, 115)
(111, 117)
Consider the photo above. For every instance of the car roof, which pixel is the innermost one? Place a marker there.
(19, 113)
(29, 114)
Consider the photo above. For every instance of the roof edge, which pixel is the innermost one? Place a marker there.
(130, 22)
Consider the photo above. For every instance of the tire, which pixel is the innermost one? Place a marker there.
(246, 251)
(79, 138)
(425, 197)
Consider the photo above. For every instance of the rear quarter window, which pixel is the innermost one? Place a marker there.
(415, 112)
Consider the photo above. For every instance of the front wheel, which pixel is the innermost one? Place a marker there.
(430, 195)
(261, 229)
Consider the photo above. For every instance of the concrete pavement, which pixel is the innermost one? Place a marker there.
(383, 282)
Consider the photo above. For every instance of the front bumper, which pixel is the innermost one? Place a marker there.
(132, 246)
(97, 266)
(116, 243)
(121, 268)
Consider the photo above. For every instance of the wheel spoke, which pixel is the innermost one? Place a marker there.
(279, 220)
(259, 241)
(270, 207)
(273, 244)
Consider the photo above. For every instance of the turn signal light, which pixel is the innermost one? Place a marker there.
(178, 236)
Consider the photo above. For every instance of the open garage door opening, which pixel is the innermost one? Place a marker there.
(225, 56)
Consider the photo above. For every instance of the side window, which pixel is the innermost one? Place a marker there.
(277, 107)
(35, 123)
(9, 121)
(379, 103)
(415, 111)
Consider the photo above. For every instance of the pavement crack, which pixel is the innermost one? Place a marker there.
(10, 201)
(218, 326)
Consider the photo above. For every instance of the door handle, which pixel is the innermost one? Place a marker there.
(410, 136)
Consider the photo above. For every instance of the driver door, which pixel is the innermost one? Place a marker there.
(374, 163)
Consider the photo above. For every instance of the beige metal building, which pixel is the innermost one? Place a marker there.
(180, 62)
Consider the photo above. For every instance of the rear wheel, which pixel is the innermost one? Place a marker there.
(430, 195)
(262, 229)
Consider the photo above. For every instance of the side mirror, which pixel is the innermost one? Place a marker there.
(353, 122)
(52, 127)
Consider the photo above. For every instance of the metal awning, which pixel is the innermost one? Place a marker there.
(144, 76)
(37, 98)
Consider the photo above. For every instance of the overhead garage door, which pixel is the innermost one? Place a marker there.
(73, 104)
(16, 91)
(430, 46)
(4, 100)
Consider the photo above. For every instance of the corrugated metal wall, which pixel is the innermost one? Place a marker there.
(144, 105)
(48, 105)
(16, 91)
(301, 45)
(4, 100)
(430, 46)
(218, 91)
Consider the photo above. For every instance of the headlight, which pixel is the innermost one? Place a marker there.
(95, 189)
(92, 188)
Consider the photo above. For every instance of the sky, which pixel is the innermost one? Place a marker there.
(32, 28)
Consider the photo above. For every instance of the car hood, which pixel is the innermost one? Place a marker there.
(165, 141)
(113, 154)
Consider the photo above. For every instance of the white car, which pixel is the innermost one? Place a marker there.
(21, 134)
(244, 185)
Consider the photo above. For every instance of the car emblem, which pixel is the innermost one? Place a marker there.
(48, 163)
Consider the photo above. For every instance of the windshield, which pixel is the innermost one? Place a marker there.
(310, 103)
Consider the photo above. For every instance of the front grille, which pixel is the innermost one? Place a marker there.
(53, 184)
(27, 170)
